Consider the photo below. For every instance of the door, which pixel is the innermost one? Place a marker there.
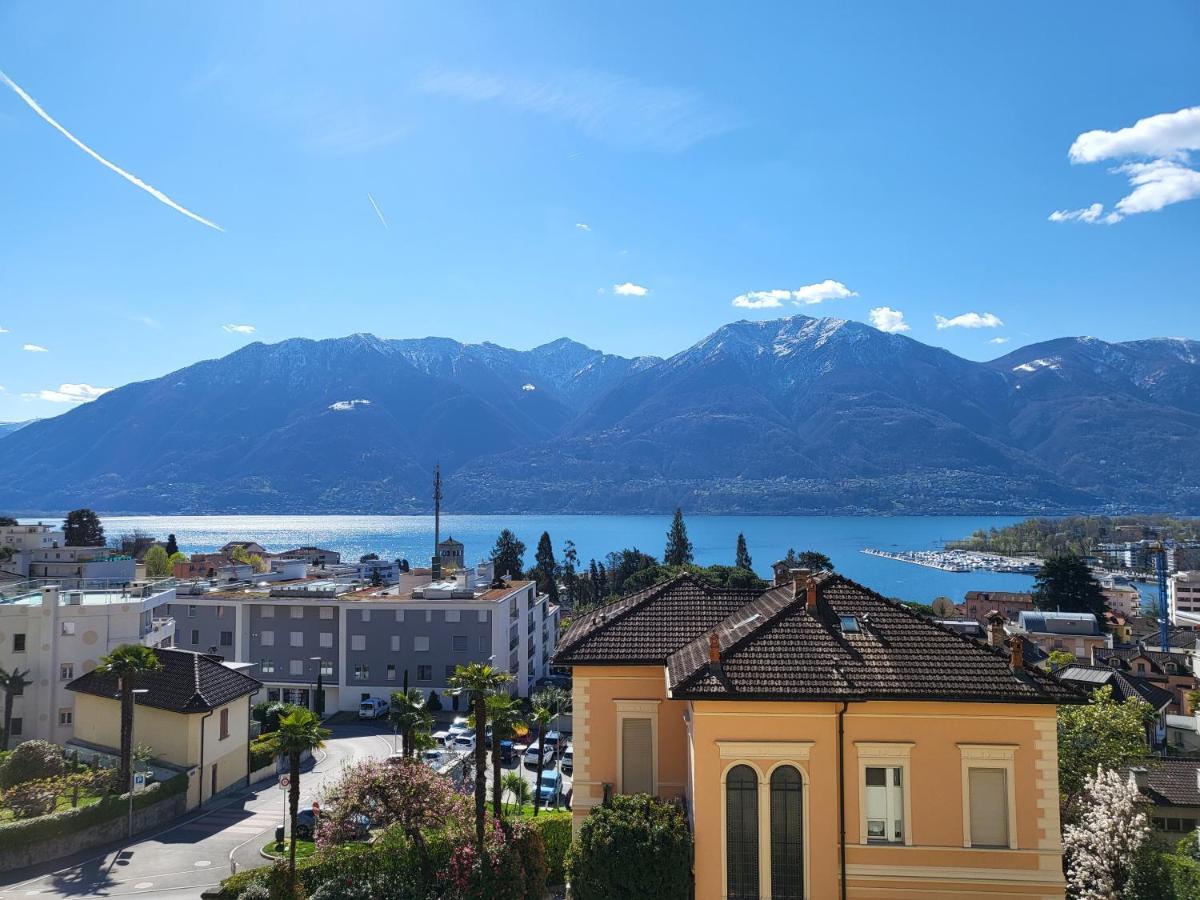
(212, 791)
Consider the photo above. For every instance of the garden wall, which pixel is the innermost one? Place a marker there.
(27, 842)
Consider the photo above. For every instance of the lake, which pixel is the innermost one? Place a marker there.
(714, 537)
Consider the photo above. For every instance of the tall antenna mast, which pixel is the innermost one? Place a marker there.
(437, 507)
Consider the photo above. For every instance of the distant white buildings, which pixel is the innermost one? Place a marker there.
(40, 551)
(1183, 598)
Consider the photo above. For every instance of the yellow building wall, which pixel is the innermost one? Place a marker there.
(935, 863)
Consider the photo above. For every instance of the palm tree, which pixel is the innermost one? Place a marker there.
(507, 722)
(478, 680)
(299, 732)
(409, 714)
(13, 684)
(128, 663)
(548, 704)
(517, 788)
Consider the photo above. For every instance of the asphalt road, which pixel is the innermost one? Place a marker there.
(197, 851)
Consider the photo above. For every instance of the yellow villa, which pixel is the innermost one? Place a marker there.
(824, 742)
(195, 715)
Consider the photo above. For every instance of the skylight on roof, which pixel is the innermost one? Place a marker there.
(849, 624)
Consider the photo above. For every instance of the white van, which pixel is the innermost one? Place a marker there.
(372, 708)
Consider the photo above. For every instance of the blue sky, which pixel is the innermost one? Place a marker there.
(901, 158)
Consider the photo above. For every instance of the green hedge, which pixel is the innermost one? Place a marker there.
(555, 829)
(23, 832)
(262, 752)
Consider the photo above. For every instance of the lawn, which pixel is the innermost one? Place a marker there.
(304, 849)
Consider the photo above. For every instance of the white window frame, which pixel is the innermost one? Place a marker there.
(990, 756)
(326, 639)
(483, 615)
(395, 643)
(391, 671)
(66, 671)
(266, 638)
(886, 755)
(453, 615)
(68, 628)
(326, 612)
(295, 667)
(296, 612)
(418, 639)
(266, 666)
(267, 612)
(296, 639)
(358, 642)
(66, 716)
(637, 709)
(772, 755)
(366, 615)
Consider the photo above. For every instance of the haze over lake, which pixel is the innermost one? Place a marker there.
(714, 537)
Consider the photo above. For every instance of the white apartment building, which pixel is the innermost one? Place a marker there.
(362, 642)
(57, 635)
(1123, 599)
(23, 540)
(1183, 598)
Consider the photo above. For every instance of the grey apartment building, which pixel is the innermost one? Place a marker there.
(362, 643)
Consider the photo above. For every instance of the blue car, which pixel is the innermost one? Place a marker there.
(550, 788)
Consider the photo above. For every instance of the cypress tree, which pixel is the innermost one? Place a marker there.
(679, 549)
(742, 559)
(508, 556)
(546, 568)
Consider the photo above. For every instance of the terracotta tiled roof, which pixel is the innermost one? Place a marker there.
(647, 627)
(777, 649)
(187, 683)
(1171, 781)
(1158, 660)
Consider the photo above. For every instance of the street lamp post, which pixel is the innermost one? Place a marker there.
(129, 828)
(319, 694)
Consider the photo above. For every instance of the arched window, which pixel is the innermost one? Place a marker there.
(787, 834)
(741, 833)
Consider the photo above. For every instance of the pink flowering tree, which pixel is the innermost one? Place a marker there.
(1109, 831)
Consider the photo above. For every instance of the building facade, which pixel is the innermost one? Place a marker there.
(1183, 598)
(58, 635)
(821, 739)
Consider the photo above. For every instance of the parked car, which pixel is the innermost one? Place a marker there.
(531, 754)
(568, 759)
(373, 708)
(433, 758)
(551, 741)
(306, 824)
(395, 759)
(464, 742)
(459, 725)
(442, 738)
(550, 787)
(506, 752)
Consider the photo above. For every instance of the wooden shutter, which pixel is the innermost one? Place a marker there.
(637, 757)
(989, 807)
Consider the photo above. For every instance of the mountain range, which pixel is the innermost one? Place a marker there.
(793, 415)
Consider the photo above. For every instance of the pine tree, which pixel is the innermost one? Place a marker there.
(602, 582)
(546, 568)
(742, 559)
(1065, 583)
(172, 546)
(679, 549)
(82, 528)
(508, 556)
(570, 569)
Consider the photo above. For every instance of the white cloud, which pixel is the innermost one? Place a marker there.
(132, 179)
(583, 226)
(806, 295)
(382, 220)
(70, 393)
(761, 299)
(1161, 177)
(629, 289)
(34, 348)
(528, 387)
(3, 330)
(613, 108)
(819, 293)
(887, 319)
(239, 329)
(1164, 135)
(969, 320)
(998, 340)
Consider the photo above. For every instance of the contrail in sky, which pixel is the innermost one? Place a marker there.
(377, 212)
(133, 179)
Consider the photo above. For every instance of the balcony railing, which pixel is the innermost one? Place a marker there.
(158, 633)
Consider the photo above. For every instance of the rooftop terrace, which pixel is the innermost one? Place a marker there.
(83, 592)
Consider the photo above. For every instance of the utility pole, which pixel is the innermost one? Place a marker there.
(437, 522)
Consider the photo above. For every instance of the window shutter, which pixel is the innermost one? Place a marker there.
(637, 751)
(989, 807)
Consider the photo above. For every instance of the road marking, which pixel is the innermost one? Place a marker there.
(142, 885)
(202, 863)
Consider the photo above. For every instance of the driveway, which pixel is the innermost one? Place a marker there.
(198, 851)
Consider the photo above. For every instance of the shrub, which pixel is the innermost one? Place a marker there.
(434, 703)
(262, 752)
(31, 798)
(269, 712)
(633, 847)
(31, 761)
(526, 841)
(555, 830)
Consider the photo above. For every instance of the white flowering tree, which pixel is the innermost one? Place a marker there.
(1109, 831)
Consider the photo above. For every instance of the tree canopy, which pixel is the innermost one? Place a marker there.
(545, 570)
(812, 560)
(158, 562)
(741, 559)
(678, 551)
(1065, 583)
(82, 528)
(1099, 733)
(508, 556)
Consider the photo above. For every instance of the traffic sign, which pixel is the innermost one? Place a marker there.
(284, 781)
(139, 782)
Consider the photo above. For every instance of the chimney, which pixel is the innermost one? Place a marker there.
(799, 580)
(714, 649)
(811, 599)
(995, 629)
(780, 570)
(1141, 777)
(1016, 656)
